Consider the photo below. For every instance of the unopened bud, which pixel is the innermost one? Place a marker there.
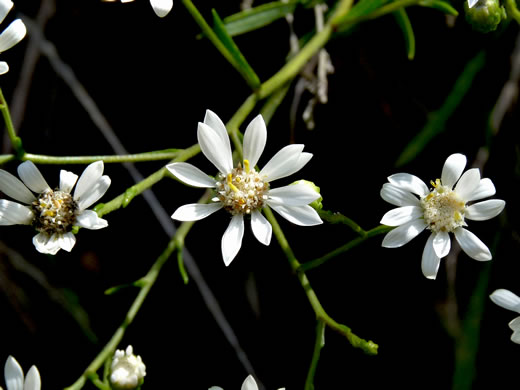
(484, 15)
(127, 370)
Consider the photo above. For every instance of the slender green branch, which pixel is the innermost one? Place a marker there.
(318, 345)
(332, 217)
(382, 229)
(147, 282)
(15, 140)
(167, 154)
(512, 10)
(368, 347)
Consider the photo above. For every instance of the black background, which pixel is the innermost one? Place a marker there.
(153, 80)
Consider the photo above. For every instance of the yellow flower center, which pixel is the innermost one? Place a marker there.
(443, 208)
(55, 212)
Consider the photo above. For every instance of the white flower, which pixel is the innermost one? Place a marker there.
(13, 34)
(249, 384)
(53, 212)
(242, 190)
(127, 369)
(509, 301)
(14, 378)
(442, 210)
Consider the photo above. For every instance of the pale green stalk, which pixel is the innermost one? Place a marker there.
(15, 140)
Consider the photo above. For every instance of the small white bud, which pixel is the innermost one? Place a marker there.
(127, 369)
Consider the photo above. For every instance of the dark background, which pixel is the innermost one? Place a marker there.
(153, 80)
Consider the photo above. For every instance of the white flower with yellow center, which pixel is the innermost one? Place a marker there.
(442, 210)
(13, 34)
(509, 301)
(53, 213)
(15, 380)
(242, 190)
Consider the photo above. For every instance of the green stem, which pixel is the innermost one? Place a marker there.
(318, 345)
(368, 347)
(334, 218)
(167, 154)
(146, 284)
(382, 229)
(15, 140)
(512, 10)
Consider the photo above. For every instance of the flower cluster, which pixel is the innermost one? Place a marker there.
(442, 209)
(241, 190)
(127, 370)
(53, 213)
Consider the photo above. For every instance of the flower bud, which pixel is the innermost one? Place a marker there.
(127, 370)
(485, 15)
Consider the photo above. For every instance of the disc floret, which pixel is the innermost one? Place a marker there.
(55, 212)
(443, 209)
(243, 190)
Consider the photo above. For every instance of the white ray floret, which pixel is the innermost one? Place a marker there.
(242, 190)
(510, 301)
(13, 34)
(442, 210)
(248, 384)
(53, 213)
(15, 379)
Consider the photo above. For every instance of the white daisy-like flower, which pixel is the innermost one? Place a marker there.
(442, 210)
(127, 370)
(249, 384)
(509, 301)
(13, 34)
(242, 190)
(53, 213)
(15, 380)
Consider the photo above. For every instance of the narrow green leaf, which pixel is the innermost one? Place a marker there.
(363, 8)
(258, 17)
(437, 122)
(406, 27)
(440, 5)
(235, 56)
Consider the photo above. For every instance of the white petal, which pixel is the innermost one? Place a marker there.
(515, 337)
(93, 194)
(409, 183)
(212, 120)
(430, 261)
(506, 299)
(195, 211)
(471, 3)
(191, 175)
(67, 180)
(5, 7)
(261, 227)
(485, 210)
(453, 168)
(472, 245)
(403, 234)
(254, 140)
(216, 150)
(468, 183)
(161, 7)
(483, 190)
(232, 239)
(4, 68)
(299, 215)
(14, 188)
(441, 244)
(283, 163)
(13, 374)
(90, 175)
(32, 177)
(249, 384)
(515, 324)
(401, 215)
(33, 380)
(89, 219)
(67, 241)
(13, 34)
(397, 196)
(46, 244)
(292, 195)
(12, 213)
